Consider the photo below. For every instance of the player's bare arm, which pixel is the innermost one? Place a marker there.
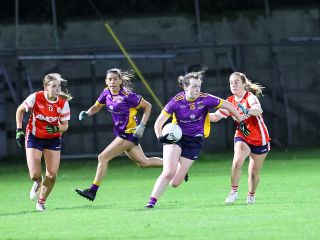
(63, 127)
(214, 117)
(94, 109)
(232, 110)
(19, 115)
(159, 123)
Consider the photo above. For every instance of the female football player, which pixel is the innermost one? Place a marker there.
(190, 110)
(49, 118)
(256, 145)
(123, 105)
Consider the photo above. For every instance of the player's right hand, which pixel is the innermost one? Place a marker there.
(20, 137)
(164, 139)
(83, 115)
(244, 129)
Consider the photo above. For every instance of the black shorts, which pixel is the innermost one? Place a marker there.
(43, 143)
(191, 146)
(259, 150)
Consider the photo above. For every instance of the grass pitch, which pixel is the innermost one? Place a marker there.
(287, 202)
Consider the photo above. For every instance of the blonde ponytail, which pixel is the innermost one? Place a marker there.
(255, 88)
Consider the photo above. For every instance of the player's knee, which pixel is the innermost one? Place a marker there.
(102, 159)
(254, 174)
(51, 177)
(237, 164)
(142, 164)
(169, 175)
(146, 163)
(175, 184)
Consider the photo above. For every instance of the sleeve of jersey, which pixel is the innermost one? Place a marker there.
(29, 101)
(254, 102)
(214, 102)
(65, 112)
(134, 99)
(101, 99)
(168, 109)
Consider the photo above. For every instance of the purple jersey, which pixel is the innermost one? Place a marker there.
(192, 116)
(123, 108)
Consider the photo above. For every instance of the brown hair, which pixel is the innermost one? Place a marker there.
(126, 77)
(184, 81)
(56, 76)
(255, 88)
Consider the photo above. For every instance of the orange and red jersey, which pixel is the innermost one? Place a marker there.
(45, 113)
(259, 135)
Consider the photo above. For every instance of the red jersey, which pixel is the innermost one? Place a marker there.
(45, 113)
(259, 135)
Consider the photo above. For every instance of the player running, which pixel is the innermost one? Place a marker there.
(123, 104)
(49, 118)
(190, 110)
(256, 145)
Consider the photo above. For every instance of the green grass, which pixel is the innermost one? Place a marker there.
(287, 204)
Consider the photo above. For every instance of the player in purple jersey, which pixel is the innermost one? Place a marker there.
(190, 110)
(123, 105)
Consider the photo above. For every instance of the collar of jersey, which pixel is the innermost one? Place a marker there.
(239, 99)
(113, 94)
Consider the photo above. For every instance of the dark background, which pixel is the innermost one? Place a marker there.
(78, 9)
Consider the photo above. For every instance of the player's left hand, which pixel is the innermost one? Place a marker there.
(244, 129)
(52, 129)
(139, 130)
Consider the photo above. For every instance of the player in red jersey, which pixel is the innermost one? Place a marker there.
(49, 116)
(257, 144)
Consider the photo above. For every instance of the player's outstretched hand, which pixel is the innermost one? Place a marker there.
(83, 115)
(52, 129)
(20, 137)
(164, 139)
(243, 128)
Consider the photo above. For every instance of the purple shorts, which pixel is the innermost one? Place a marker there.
(127, 136)
(191, 146)
(259, 150)
(43, 143)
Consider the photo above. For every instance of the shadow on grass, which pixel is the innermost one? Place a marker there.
(83, 207)
(166, 207)
(87, 207)
(17, 213)
(182, 207)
